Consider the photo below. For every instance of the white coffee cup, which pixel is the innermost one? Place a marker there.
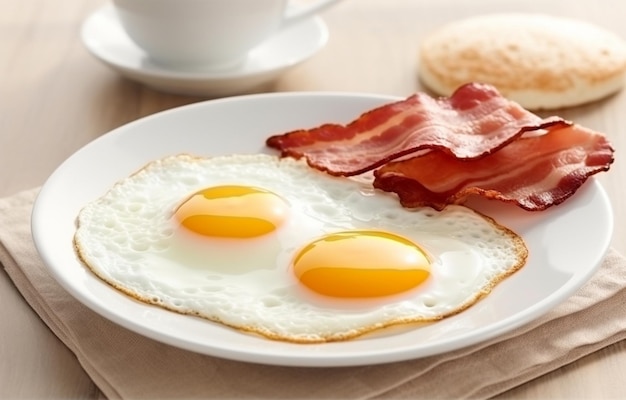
(206, 34)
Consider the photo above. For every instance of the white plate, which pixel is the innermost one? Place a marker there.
(566, 242)
(104, 37)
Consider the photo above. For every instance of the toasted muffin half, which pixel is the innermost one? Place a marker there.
(540, 61)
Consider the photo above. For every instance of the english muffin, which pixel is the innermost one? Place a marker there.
(540, 61)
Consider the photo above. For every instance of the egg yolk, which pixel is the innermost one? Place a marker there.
(361, 263)
(232, 211)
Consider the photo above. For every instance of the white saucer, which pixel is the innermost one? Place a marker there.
(104, 37)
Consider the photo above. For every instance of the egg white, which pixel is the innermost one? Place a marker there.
(128, 239)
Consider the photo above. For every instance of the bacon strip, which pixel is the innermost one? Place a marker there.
(475, 121)
(533, 172)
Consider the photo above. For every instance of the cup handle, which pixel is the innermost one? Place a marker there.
(296, 14)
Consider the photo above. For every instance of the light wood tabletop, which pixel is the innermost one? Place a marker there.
(55, 97)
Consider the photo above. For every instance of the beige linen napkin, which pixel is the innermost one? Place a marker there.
(127, 365)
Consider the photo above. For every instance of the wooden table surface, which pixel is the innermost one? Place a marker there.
(55, 97)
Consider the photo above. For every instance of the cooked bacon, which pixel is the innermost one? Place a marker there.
(533, 172)
(475, 121)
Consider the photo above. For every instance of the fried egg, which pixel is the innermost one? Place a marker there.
(271, 246)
